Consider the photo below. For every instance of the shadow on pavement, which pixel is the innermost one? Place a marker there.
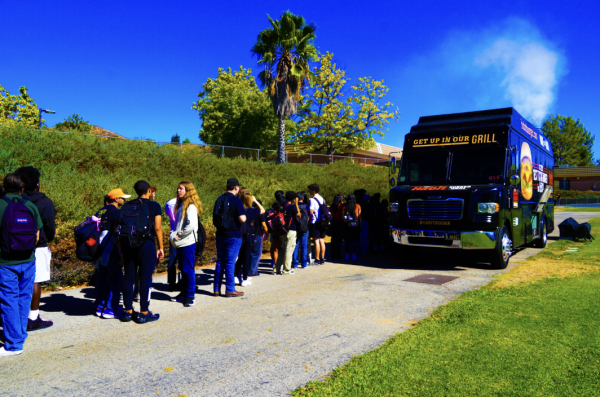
(70, 305)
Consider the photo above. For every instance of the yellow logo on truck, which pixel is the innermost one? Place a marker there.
(526, 172)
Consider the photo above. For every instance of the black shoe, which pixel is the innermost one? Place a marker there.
(189, 302)
(129, 316)
(146, 318)
(38, 323)
(182, 297)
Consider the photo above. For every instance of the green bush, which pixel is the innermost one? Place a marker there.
(576, 193)
(77, 171)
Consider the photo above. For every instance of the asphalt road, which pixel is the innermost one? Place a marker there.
(285, 332)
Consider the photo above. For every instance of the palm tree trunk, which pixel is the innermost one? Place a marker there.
(281, 146)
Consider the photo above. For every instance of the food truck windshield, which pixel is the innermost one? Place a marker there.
(443, 164)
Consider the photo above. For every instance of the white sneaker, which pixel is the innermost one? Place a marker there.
(291, 272)
(246, 283)
(4, 352)
(237, 280)
(249, 278)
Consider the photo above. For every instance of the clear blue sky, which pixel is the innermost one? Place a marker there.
(135, 67)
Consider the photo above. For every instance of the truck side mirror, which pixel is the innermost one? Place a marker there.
(392, 182)
(515, 180)
(393, 164)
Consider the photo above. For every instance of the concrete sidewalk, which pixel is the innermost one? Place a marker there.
(285, 332)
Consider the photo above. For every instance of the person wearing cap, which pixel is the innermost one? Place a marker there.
(43, 256)
(230, 209)
(109, 276)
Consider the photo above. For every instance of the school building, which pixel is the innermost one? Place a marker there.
(378, 155)
(576, 178)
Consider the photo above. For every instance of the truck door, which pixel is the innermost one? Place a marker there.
(517, 226)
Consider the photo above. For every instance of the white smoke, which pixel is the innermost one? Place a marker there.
(530, 74)
(507, 64)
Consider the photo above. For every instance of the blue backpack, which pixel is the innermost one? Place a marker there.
(18, 230)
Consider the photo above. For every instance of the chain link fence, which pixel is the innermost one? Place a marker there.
(245, 153)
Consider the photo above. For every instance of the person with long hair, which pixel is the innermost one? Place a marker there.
(337, 227)
(275, 240)
(253, 211)
(185, 237)
(351, 213)
(278, 206)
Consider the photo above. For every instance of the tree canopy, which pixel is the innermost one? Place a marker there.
(571, 141)
(18, 109)
(334, 118)
(75, 123)
(285, 50)
(235, 112)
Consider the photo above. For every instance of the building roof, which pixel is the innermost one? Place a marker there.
(379, 151)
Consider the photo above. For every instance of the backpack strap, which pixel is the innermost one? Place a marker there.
(8, 201)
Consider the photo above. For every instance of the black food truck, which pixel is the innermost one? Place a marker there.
(473, 181)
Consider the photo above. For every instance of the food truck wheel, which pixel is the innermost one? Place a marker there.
(541, 242)
(501, 254)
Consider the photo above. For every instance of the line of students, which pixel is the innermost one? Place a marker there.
(133, 245)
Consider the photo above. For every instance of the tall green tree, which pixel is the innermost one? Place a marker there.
(285, 50)
(334, 118)
(75, 123)
(236, 112)
(175, 138)
(571, 141)
(18, 109)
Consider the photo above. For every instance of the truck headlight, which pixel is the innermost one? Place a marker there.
(394, 207)
(488, 208)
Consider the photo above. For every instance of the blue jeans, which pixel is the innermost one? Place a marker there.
(302, 247)
(364, 237)
(188, 271)
(257, 246)
(228, 249)
(109, 282)
(16, 288)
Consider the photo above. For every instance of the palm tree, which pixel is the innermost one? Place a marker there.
(285, 50)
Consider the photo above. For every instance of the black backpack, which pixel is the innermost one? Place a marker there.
(221, 218)
(584, 231)
(201, 243)
(302, 225)
(325, 216)
(351, 220)
(134, 225)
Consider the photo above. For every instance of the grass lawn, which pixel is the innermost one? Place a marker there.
(576, 209)
(534, 331)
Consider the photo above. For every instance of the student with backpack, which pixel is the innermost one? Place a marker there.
(109, 268)
(302, 246)
(319, 221)
(351, 217)
(288, 240)
(140, 222)
(185, 237)
(261, 232)
(243, 264)
(274, 213)
(228, 217)
(20, 225)
(43, 256)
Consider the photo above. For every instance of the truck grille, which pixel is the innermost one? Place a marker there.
(450, 209)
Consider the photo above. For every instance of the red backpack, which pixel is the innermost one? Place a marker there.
(276, 223)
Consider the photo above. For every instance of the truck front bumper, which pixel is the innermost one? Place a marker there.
(444, 239)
